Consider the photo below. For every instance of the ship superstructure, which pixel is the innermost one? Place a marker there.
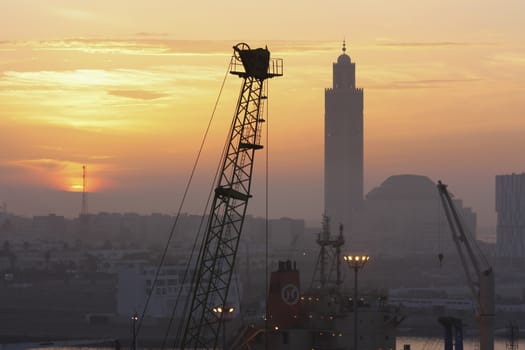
(322, 316)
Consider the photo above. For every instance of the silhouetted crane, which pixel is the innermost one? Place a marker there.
(220, 242)
(479, 274)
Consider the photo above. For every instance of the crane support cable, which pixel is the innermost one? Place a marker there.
(266, 233)
(181, 329)
(225, 224)
(194, 246)
(186, 190)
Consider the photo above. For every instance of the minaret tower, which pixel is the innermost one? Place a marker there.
(343, 170)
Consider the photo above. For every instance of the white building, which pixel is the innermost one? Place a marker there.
(136, 282)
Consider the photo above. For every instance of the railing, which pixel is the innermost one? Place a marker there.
(275, 67)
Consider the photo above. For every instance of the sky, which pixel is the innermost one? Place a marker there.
(128, 87)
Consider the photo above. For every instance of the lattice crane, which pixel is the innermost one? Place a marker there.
(220, 242)
(480, 275)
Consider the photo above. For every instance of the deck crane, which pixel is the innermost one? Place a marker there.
(479, 274)
(220, 242)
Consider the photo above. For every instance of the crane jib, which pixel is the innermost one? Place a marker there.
(218, 250)
(480, 282)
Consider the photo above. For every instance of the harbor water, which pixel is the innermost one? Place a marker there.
(416, 343)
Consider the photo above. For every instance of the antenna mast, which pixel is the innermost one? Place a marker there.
(84, 210)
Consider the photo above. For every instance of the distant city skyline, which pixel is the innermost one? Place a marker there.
(127, 89)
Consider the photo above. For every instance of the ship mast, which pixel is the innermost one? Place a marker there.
(329, 259)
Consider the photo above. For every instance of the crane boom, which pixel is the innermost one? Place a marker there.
(220, 242)
(480, 281)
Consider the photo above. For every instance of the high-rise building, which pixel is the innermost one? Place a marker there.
(510, 206)
(343, 168)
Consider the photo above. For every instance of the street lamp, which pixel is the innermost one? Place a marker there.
(134, 320)
(356, 262)
(226, 314)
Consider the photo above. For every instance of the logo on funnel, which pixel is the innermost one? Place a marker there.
(290, 294)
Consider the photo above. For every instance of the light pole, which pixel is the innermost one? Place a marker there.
(356, 262)
(226, 313)
(134, 320)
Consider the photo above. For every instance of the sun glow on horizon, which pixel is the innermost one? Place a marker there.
(75, 187)
(76, 184)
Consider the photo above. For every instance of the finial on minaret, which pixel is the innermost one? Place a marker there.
(344, 45)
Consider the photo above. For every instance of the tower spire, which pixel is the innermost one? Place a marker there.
(344, 45)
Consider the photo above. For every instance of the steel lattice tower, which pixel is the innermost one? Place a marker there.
(329, 259)
(84, 210)
(220, 242)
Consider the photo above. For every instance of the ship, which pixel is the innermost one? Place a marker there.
(322, 316)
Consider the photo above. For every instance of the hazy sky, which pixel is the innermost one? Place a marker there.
(127, 88)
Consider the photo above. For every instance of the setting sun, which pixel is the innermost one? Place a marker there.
(73, 178)
(76, 188)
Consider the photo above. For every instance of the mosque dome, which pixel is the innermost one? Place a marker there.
(405, 187)
(343, 58)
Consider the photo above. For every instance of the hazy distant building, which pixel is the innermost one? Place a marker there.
(510, 206)
(404, 215)
(343, 168)
(283, 233)
(52, 224)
